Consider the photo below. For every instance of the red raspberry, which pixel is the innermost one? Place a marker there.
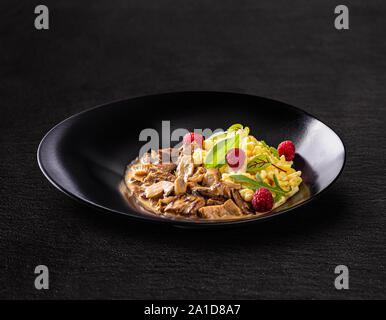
(288, 149)
(191, 136)
(262, 200)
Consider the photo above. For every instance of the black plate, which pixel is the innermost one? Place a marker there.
(85, 155)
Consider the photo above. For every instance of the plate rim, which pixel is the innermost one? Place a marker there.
(166, 220)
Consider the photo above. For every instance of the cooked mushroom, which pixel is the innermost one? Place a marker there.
(232, 185)
(185, 167)
(243, 205)
(228, 208)
(163, 202)
(216, 190)
(212, 175)
(198, 176)
(159, 176)
(214, 202)
(185, 205)
(168, 155)
(159, 188)
(232, 208)
(179, 186)
(170, 182)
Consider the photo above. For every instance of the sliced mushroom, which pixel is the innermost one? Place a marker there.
(217, 190)
(228, 208)
(212, 175)
(212, 212)
(141, 169)
(168, 155)
(186, 204)
(179, 186)
(232, 185)
(188, 149)
(199, 175)
(150, 158)
(163, 202)
(185, 167)
(243, 205)
(167, 167)
(159, 176)
(159, 188)
(232, 208)
(214, 202)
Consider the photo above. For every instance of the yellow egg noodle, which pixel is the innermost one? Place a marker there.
(287, 177)
(229, 175)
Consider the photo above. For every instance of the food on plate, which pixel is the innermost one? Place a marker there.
(229, 175)
(287, 148)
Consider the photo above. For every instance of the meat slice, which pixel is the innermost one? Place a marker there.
(212, 212)
(221, 189)
(186, 204)
(188, 149)
(156, 176)
(243, 205)
(159, 188)
(168, 155)
(232, 208)
(163, 202)
(217, 211)
(167, 167)
(185, 167)
(149, 157)
(137, 190)
(179, 186)
(198, 176)
(191, 185)
(212, 175)
(232, 185)
(214, 202)
(216, 190)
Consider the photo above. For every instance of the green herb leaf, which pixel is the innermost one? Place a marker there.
(264, 144)
(279, 192)
(254, 185)
(258, 163)
(244, 179)
(235, 127)
(216, 156)
(238, 126)
(272, 149)
(275, 152)
(277, 183)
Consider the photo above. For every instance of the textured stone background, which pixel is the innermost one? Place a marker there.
(98, 51)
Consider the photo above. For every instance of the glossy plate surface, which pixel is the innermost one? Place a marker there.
(85, 156)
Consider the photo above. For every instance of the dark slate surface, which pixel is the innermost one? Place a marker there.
(98, 51)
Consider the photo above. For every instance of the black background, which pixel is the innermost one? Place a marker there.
(98, 51)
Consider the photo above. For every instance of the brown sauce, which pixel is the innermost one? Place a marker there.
(144, 206)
